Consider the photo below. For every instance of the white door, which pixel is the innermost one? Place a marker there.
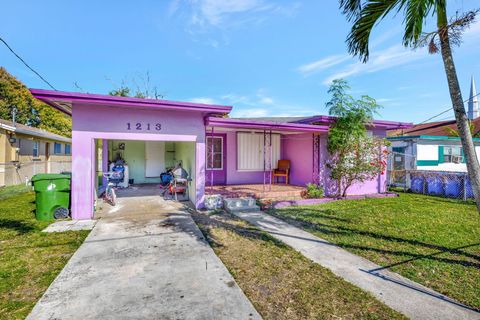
(154, 158)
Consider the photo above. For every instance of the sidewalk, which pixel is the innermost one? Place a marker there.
(408, 297)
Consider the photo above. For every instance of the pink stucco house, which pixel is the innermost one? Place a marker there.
(214, 149)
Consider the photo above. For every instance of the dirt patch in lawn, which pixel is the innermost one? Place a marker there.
(280, 282)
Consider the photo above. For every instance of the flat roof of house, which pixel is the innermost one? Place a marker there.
(327, 120)
(273, 119)
(63, 101)
(424, 137)
(384, 124)
(263, 125)
(436, 128)
(32, 131)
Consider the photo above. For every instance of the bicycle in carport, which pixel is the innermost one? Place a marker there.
(112, 181)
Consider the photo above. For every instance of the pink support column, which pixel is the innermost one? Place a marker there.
(211, 155)
(382, 178)
(83, 167)
(200, 173)
(104, 159)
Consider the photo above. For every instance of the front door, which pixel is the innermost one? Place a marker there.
(216, 159)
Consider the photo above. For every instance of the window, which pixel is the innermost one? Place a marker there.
(215, 153)
(35, 148)
(452, 154)
(250, 151)
(57, 148)
(68, 149)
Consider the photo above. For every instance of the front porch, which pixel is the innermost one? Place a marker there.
(257, 191)
(243, 154)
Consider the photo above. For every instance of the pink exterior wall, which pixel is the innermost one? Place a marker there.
(298, 148)
(97, 122)
(376, 185)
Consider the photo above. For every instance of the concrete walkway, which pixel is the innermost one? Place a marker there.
(145, 259)
(412, 299)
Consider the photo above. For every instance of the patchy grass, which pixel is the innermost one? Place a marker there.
(431, 240)
(10, 191)
(280, 282)
(29, 259)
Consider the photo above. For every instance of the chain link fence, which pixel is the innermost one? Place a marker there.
(454, 185)
(401, 174)
(21, 172)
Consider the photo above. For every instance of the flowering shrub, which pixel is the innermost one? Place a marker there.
(364, 159)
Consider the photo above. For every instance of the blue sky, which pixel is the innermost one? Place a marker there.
(266, 58)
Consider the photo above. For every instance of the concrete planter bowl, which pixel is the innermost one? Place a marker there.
(213, 202)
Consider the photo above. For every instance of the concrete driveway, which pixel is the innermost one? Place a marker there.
(145, 259)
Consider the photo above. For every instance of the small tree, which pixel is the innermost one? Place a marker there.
(122, 91)
(355, 156)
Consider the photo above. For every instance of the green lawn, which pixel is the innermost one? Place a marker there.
(431, 240)
(29, 259)
(280, 282)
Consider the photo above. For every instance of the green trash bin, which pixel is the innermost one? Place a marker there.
(52, 195)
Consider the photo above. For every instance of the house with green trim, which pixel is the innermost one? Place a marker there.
(434, 146)
(425, 152)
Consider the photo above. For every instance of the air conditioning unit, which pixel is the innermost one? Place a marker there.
(456, 159)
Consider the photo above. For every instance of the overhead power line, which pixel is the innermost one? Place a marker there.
(435, 116)
(445, 111)
(26, 64)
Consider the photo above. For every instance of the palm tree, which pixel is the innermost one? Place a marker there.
(365, 14)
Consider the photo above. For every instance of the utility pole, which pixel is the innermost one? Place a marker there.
(14, 115)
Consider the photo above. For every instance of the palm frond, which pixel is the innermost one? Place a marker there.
(456, 133)
(451, 132)
(416, 12)
(351, 8)
(371, 13)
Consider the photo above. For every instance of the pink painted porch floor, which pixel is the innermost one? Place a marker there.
(258, 191)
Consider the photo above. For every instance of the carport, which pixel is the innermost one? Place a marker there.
(109, 118)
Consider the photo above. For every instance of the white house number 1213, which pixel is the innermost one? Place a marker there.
(144, 126)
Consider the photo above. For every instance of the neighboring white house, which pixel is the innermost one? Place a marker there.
(433, 146)
(435, 153)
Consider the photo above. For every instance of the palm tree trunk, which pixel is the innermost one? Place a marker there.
(463, 125)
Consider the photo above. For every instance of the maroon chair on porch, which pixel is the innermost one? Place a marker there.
(282, 170)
